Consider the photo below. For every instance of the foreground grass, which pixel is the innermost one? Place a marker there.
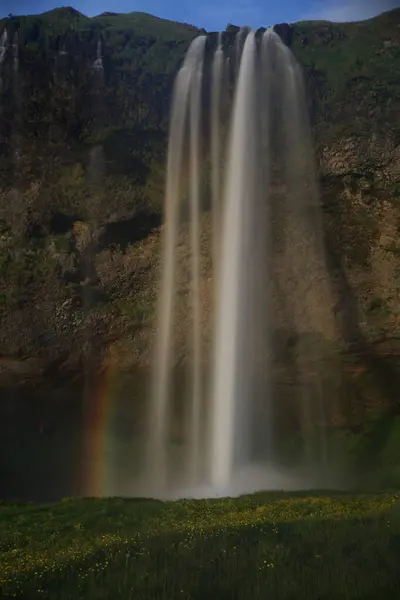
(260, 546)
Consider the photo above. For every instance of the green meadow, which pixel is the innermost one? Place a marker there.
(311, 546)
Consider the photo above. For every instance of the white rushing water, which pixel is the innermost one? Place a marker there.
(217, 80)
(268, 144)
(195, 426)
(3, 46)
(98, 63)
(160, 394)
(238, 198)
(15, 46)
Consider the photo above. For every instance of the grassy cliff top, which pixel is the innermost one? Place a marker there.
(148, 25)
(64, 18)
(67, 17)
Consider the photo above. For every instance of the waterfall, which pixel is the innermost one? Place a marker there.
(217, 80)
(305, 262)
(228, 389)
(260, 243)
(98, 63)
(186, 90)
(17, 96)
(239, 44)
(195, 433)
(3, 46)
(15, 46)
(3, 50)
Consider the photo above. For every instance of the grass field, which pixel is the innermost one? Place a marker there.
(279, 546)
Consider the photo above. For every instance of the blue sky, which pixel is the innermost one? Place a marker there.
(215, 14)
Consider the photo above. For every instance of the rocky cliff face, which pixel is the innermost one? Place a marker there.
(82, 175)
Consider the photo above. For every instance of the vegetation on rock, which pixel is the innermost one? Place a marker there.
(76, 147)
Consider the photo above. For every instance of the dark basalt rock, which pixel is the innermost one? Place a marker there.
(232, 28)
(285, 32)
(61, 223)
(128, 231)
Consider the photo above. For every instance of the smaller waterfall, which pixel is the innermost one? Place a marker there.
(15, 46)
(16, 82)
(3, 51)
(60, 65)
(96, 165)
(96, 162)
(98, 63)
(3, 46)
(95, 177)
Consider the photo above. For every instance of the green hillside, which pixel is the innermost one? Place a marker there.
(354, 69)
(303, 546)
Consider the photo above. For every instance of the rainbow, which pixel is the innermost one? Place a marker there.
(98, 417)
